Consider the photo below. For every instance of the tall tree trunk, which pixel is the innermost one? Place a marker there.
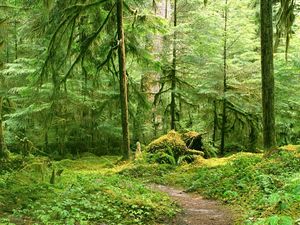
(7, 56)
(16, 32)
(123, 81)
(215, 123)
(2, 146)
(150, 80)
(224, 115)
(173, 74)
(267, 72)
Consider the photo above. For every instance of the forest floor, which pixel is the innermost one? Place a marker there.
(196, 210)
(93, 190)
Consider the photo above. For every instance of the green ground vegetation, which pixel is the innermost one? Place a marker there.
(261, 189)
(88, 191)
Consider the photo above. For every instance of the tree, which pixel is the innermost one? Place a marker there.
(224, 116)
(2, 145)
(285, 17)
(123, 81)
(267, 72)
(151, 118)
(173, 72)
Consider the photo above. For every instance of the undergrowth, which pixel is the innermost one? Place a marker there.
(101, 190)
(263, 189)
(87, 192)
(268, 189)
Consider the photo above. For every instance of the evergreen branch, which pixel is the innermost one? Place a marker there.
(71, 37)
(142, 99)
(107, 59)
(81, 7)
(233, 42)
(156, 96)
(88, 41)
(111, 71)
(3, 20)
(132, 11)
(285, 20)
(114, 67)
(51, 49)
(186, 101)
(12, 7)
(182, 82)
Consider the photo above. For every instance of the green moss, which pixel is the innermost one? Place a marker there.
(167, 149)
(87, 192)
(262, 190)
(263, 187)
(188, 136)
(171, 140)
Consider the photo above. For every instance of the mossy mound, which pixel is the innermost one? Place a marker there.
(174, 148)
(196, 142)
(170, 142)
(292, 148)
(188, 136)
(193, 140)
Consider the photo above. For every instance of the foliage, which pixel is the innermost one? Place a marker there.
(60, 98)
(10, 163)
(288, 106)
(149, 172)
(82, 194)
(267, 189)
(58, 69)
(63, 82)
(261, 189)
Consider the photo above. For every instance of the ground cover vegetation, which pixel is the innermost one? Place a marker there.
(93, 190)
(101, 98)
(260, 189)
(84, 191)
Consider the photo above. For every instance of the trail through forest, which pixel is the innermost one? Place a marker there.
(196, 209)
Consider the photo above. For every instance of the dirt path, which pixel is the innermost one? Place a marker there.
(196, 209)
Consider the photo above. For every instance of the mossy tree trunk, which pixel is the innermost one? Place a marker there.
(16, 31)
(173, 72)
(2, 145)
(267, 72)
(151, 80)
(224, 113)
(123, 81)
(215, 128)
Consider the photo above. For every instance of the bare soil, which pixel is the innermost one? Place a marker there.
(196, 209)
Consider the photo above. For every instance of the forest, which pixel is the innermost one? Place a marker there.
(156, 112)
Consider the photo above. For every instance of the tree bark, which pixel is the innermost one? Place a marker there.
(123, 82)
(224, 115)
(215, 123)
(16, 33)
(151, 80)
(267, 71)
(2, 144)
(173, 74)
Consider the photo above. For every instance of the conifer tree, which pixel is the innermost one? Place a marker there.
(123, 81)
(267, 73)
